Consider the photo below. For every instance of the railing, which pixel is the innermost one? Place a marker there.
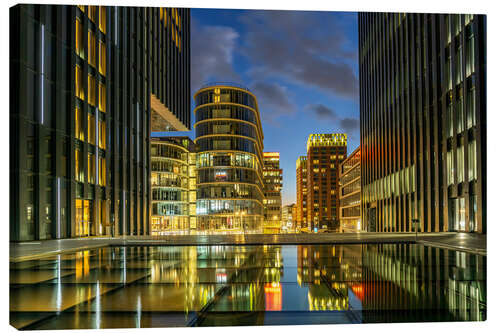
(224, 83)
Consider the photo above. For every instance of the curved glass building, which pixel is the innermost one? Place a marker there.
(229, 159)
(170, 185)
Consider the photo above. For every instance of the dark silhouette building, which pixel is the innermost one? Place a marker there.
(87, 86)
(423, 121)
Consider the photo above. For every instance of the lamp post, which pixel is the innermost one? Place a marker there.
(415, 226)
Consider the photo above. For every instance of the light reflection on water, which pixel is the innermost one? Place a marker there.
(161, 286)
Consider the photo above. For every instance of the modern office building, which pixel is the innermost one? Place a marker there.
(87, 85)
(273, 183)
(423, 121)
(301, 189)
(325, 153)
(350, 193)
(173, 185)
(229, 160)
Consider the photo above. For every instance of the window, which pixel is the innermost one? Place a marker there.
(449, 163)
(102, 58)
(79, 38)
(471, 107)
(91, 89)
(79, 83)
(460, 164)
(91, 128)
(102, 19)
(78, 124)
(91, 48)
(102, 97)
(102, 134)
(91, 168)
(78, 165)
(92, 13)
(472, 160)
(102, 171)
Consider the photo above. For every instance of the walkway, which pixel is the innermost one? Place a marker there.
(472, 243)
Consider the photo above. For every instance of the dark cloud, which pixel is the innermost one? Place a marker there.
(274, 99)
(322, 111)
(350, 125)
(212, 54)
(307, 48)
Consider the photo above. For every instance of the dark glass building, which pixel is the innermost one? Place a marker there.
(88, 84)
(229, 139)
(423, 121)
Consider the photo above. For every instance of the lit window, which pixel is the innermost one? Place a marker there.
(102, 97)
(91, 48)
(102, 171)
(91, 89)
(91, 128)
(102, 58)
(102, 19)
(92, 13)
(79, 92)
(79, 38)
(78, 124)
(102, 134)
(91, 168)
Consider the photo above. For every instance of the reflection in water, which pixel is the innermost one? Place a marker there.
(161, 286)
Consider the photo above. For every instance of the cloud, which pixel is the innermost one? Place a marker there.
(308, 48)
(348, 124)
(212, 54)
(322, 111)
(274, 99)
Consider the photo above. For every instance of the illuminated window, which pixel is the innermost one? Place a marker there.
(102, 19)
(102, 171)
(91, 168)
(102, 134)
(78, 124)
(78, 165)
(79, 38)
(91, 89)
(91, 128)
(92, 13)
(91, 48)
(79, 92)
(102, 97)
(102, 58)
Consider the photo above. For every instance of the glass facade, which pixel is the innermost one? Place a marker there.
(84, 77)
(350, 193)
(422, 117)
(273, 183)
(171, 170)
(229, 167)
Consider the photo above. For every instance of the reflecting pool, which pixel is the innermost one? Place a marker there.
(161, 286)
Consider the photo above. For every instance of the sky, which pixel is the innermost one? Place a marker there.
(301, 65)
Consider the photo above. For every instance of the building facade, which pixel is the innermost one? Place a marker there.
(273, 184)
(301, 189)
(350, 193)
(423, 121)
(229, 162)
(325, 153)
(173, 185)
(287, 218)
(85, 84)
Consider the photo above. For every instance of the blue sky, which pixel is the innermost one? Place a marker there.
(301, 65)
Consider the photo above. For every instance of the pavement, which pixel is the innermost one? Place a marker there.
(467, 242)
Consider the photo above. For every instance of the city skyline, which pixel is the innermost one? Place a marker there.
(292, 106)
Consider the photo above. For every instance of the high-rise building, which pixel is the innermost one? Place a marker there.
(350, 193)
(423, 121)
(229, 161)
(287, 218)
(88, 83)
(173, 185)
(273, 183)
(301, 187)
(325, 152)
